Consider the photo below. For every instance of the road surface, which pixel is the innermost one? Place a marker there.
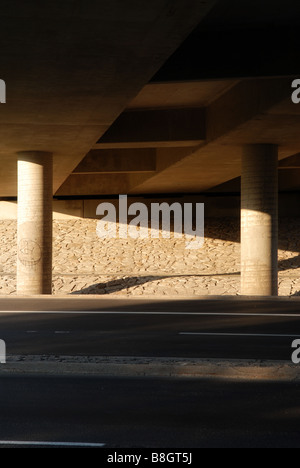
(229, 329)
(149, 412)
(155, 413)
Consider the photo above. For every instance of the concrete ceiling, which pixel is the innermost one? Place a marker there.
(209, 153)
(254, 111)
(71, 67)
(180, 95)
(229, 14)
(147, 97)
(239, 39)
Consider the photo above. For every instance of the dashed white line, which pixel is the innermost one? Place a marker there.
(50, 444)
(32, 332)
(269, 335)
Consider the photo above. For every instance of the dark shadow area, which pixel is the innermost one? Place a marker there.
(151, 412)
(290, 264)
(257, 52)
(112, 287)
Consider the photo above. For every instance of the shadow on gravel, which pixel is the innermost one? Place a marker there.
(111, 287)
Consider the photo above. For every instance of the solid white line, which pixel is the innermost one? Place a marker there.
(51, 444)
(243, 334)
(87, 312)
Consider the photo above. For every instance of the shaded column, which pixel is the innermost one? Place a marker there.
(34, 266)
(259, 221)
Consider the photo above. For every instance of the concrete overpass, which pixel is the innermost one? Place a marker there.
(148, 98)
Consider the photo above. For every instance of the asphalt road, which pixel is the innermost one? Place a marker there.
(155, 413)
(230, 329)
(149, 412)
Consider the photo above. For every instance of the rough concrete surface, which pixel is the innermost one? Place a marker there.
(84, 264)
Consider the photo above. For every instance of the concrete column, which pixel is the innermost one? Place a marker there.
(34, 266)
(259, 221)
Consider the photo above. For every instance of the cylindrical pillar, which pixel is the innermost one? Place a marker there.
(34, 266)
(259, 221)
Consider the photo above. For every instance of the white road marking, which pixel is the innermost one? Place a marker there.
(31, 332)
(269, 335)
(124, 313)
(51, 444)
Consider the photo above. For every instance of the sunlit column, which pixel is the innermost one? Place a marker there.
(259, 221)
(34, 266)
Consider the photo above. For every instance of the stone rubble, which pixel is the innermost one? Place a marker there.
(85, 264)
